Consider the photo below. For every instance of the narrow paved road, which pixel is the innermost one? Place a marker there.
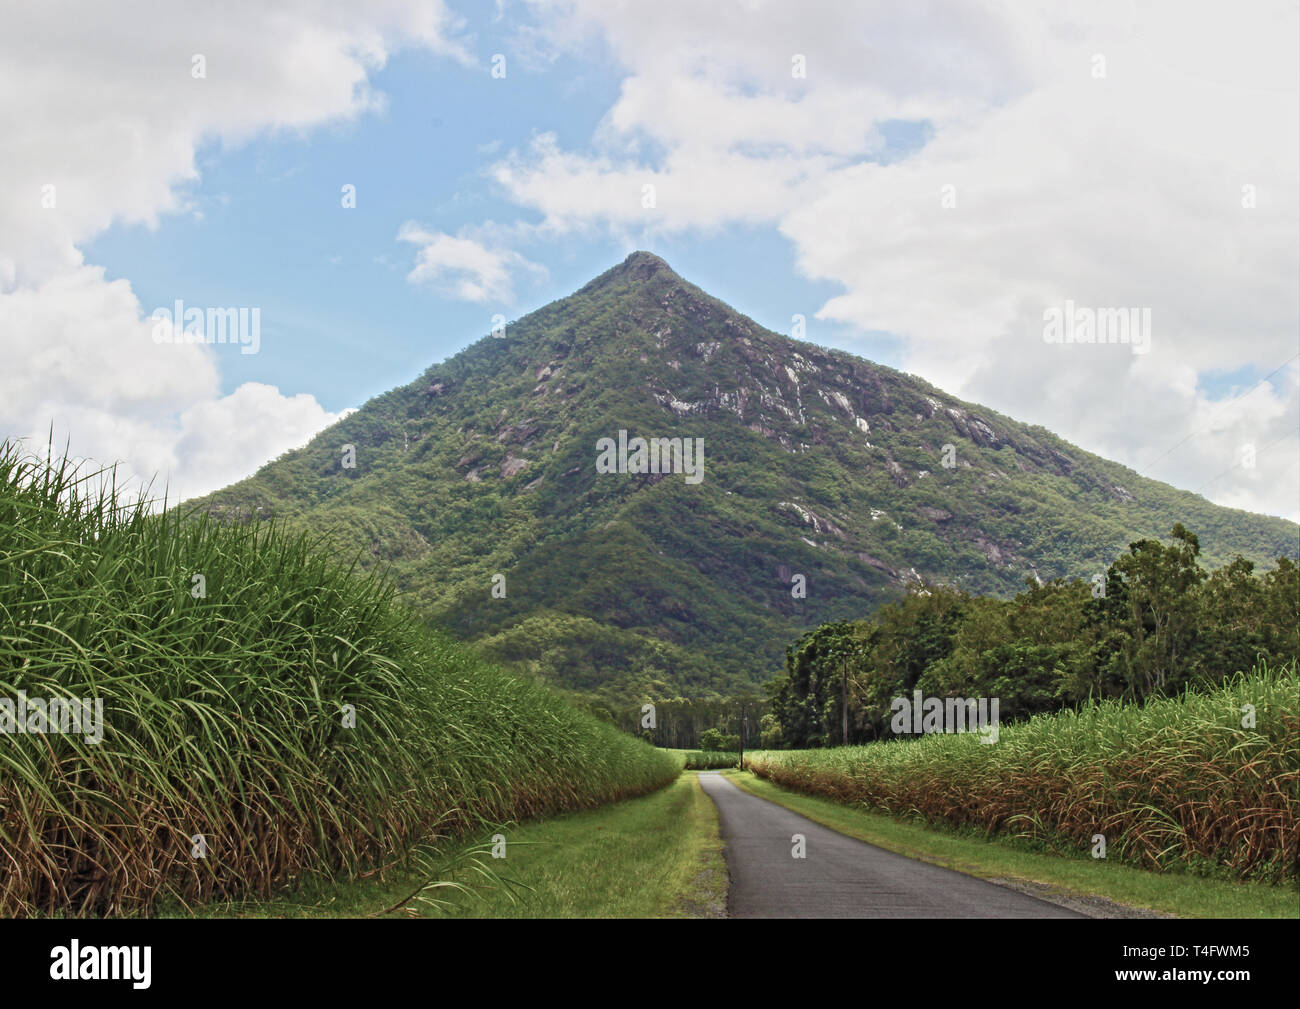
(841, 877)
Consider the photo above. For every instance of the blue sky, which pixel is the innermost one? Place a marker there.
(339, 319)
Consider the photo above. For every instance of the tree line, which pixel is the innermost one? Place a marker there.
(689, 723)
(1154, 624)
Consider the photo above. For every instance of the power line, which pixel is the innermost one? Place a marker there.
(1234, 399)
(1275, 441)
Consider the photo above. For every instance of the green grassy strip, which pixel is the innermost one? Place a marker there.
(658, 856)
(1172, 893)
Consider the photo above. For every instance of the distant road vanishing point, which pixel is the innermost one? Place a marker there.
(840, 877)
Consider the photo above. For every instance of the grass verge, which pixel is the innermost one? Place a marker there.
(658, 856)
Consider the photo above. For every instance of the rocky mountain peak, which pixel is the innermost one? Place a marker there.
(637, 269)
(860, 479)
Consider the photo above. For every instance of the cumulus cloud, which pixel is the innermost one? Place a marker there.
(463, 267)
(223, 440)
(92, 378)
(102, 110)
(1109, 154)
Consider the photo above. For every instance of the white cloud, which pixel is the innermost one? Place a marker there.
(1115, 191)
(93, 379)
(463, 267)
(696, 190)
(224, 440)
(101, 106)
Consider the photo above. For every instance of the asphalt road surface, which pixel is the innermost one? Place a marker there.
(840, 877)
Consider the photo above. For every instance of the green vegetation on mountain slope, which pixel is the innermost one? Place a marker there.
(817, 464)
(267, 712)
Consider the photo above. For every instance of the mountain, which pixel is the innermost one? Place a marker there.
(816, 463)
